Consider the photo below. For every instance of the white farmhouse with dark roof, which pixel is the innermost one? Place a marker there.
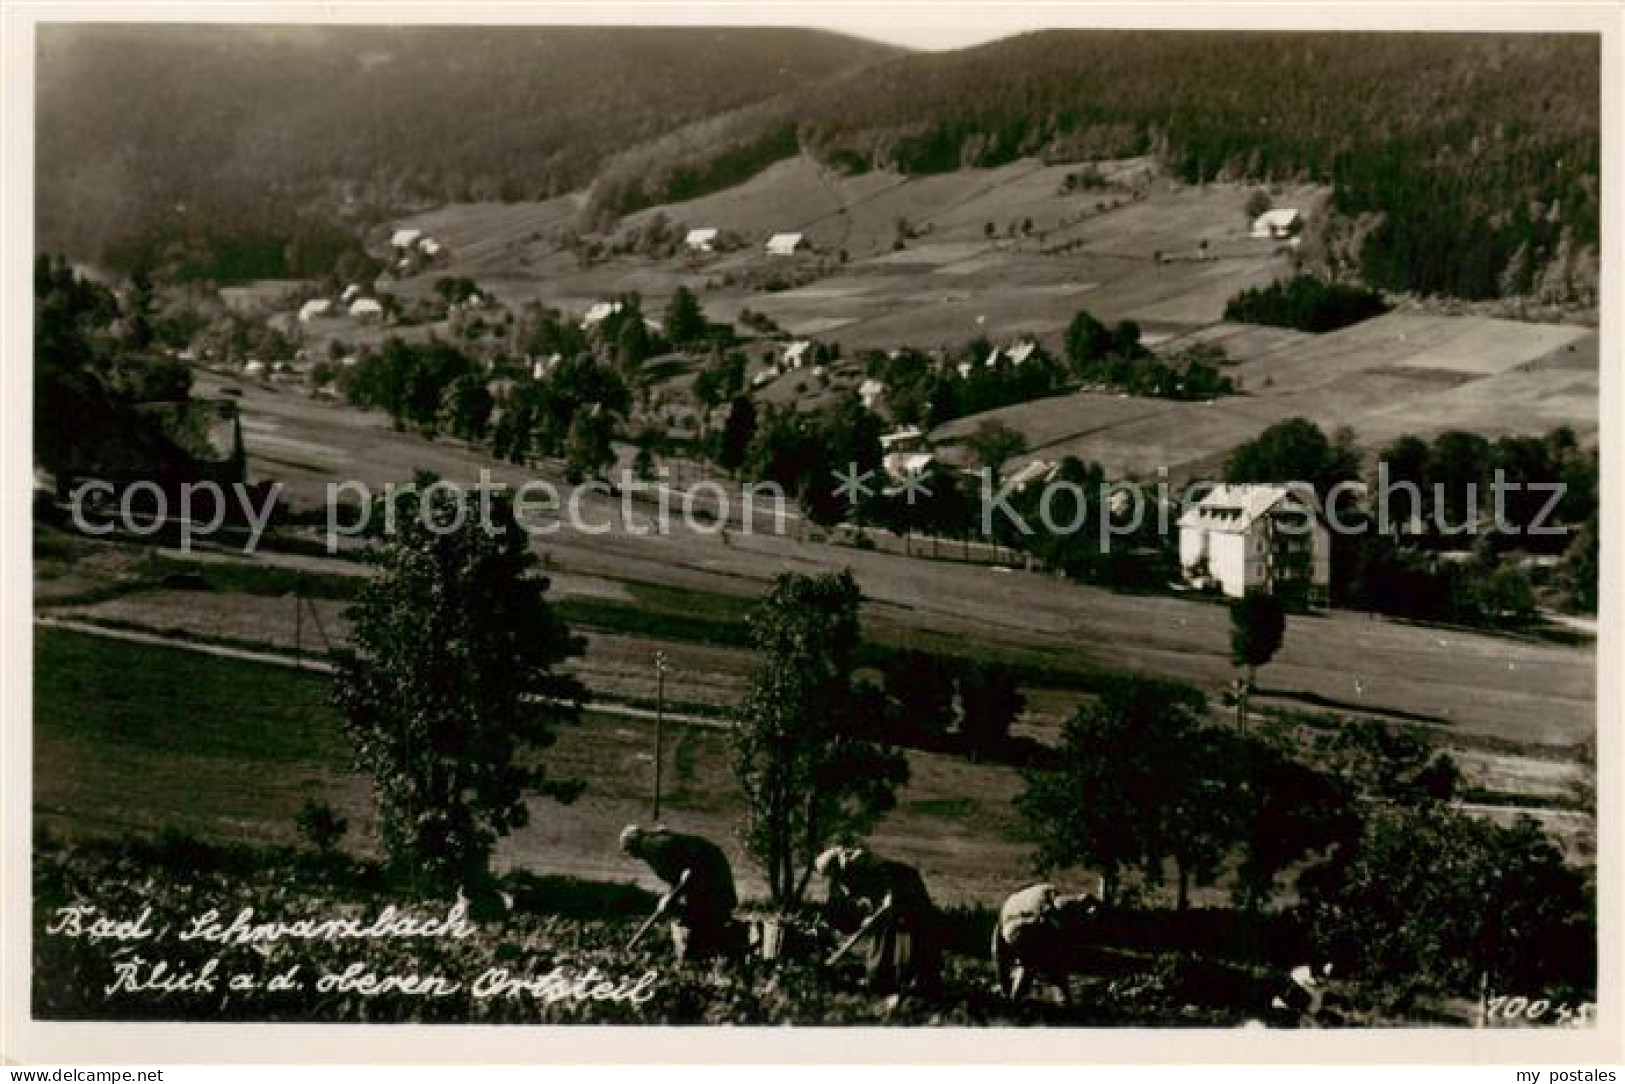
(1269, 537)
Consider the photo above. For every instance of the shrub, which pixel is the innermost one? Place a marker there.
(1305, 303)
(320, 826)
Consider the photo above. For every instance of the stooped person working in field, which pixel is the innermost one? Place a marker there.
(1038, 935)
(701, 898)
(883, 904)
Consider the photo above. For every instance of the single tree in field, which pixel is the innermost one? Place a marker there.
(450, 686)
(990, 700)
(685, 320)
(589, 450)
(1258, 201)
(1287, 811)
(1257, 628)
(737, 433)
(1087, 341)
(632, 346)
(994, 444)
(805, 747)
(1108, 801)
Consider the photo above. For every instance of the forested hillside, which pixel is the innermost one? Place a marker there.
(1479, 153)
(1464, 165)
(181, 129)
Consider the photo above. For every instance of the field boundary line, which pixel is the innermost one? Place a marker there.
(315, 665)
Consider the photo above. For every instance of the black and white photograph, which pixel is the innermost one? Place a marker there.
(836, 521)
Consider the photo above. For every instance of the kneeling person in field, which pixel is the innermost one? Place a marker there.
(700, 899)
(1038, 935)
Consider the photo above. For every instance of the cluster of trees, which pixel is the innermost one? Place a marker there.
(960, 705)
(94, 370)
(1116, 358)
(429, 387)
(1426, 898)
(286, 245)
(1453, 476)
(1392, 563)
(1145, 781)
(1395, 884)
(572, 413)
(434, 388)
(926, 391)
(1305, 303)
(1297, 450)
(806, 453)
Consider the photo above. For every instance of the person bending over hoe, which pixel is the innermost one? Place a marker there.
(700, 897)
(884, 905)
(1038, 935)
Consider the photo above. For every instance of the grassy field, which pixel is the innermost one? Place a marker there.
(951, 281)
(135, 738)
(1405, 372)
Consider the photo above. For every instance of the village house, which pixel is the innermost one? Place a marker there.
(320, 306)
(786, 244)
(1019, 352)
(598, 312)
(871, 391)
(366, 308)
(1042, 471)
(703, 239)
(907, 439)
(1269, 537)
(404, 239)
(795, 355)
(903, 465)
(1280, 223)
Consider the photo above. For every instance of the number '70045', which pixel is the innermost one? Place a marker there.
(1539, 1010)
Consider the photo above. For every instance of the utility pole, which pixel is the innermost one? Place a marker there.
(660, 724)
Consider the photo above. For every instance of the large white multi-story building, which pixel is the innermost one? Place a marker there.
(1269, 537)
